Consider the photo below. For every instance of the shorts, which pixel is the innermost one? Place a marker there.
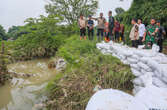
(83, 32)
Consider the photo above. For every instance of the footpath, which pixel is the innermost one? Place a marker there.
(150, 84)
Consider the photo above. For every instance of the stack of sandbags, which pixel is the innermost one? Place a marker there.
(149, 98)
(110, 99)
(149, 66)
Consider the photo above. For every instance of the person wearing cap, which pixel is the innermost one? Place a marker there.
(90, 25)
(150, 34)
(82, 25)
(111, 24)
(100, 27)
(134, 34)
(160, 36)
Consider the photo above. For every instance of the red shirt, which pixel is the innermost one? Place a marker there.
(122, 29)
(117, 27)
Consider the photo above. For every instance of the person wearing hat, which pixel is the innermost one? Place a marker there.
(160, 36)
(90, 25)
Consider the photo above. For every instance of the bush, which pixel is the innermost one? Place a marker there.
(36, 45)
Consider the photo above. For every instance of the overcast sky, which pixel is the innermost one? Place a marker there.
(14, 12)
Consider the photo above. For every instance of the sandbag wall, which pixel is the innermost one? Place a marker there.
(149, 66)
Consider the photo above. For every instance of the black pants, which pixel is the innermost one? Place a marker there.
(135, 43)
(91, 34)
(122, 37)
(100, 32)
(140, 40)
(83, 32)
(160, 44)
(117, 36)
(111, 33)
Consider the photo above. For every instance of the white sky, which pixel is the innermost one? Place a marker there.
(14, 12)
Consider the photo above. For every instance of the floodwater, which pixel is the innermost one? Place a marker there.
(24, 93)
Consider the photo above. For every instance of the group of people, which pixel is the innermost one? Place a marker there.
(154, 33)
(111, 30)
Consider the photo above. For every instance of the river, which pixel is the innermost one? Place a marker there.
(24, 93)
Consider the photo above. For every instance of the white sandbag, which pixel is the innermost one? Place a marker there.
(122, 57)
(164, 79)
(153, 97)
(135, 72)
(144, 66)
(136, 105)
(155, 48)
(138, 82)
(141, 46)
(157, 82)
(109, 51)
(135, 66)
(128, 53)
(125, 62)
(137, 89)
(146, 79)
(140, 53)
(110, 99)
(132, 61)
(153, 64)
(143, 71)
(135, 57)
(162, 69)
(144, 60)
(157, 74)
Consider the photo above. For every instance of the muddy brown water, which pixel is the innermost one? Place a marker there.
(24, 93)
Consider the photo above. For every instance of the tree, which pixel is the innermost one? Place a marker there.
(71, 9)
(119, 10)
(2, 33)
(13, 32)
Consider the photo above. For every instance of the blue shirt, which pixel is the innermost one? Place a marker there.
(90, 23)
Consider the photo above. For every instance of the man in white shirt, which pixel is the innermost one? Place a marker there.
(141, 31)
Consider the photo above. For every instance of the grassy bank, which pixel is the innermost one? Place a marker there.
(86, 68)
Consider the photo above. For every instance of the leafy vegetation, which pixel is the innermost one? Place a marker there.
(40, 38)
(71, 9)
(2, 33)
(86, 68)
(144, 9)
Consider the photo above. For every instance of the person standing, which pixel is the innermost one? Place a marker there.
(141, 31)
(117, 30)
(161, 34)
(134, 34)
(122, 31)
(90, 28)
(82, 26)
(150, 34)
(107, 33)
(101, 26)
(111, 24)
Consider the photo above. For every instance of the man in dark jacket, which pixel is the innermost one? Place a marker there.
(90, 25)
(160, 36)
(111, 24)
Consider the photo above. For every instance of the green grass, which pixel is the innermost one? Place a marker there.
(86, 68)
